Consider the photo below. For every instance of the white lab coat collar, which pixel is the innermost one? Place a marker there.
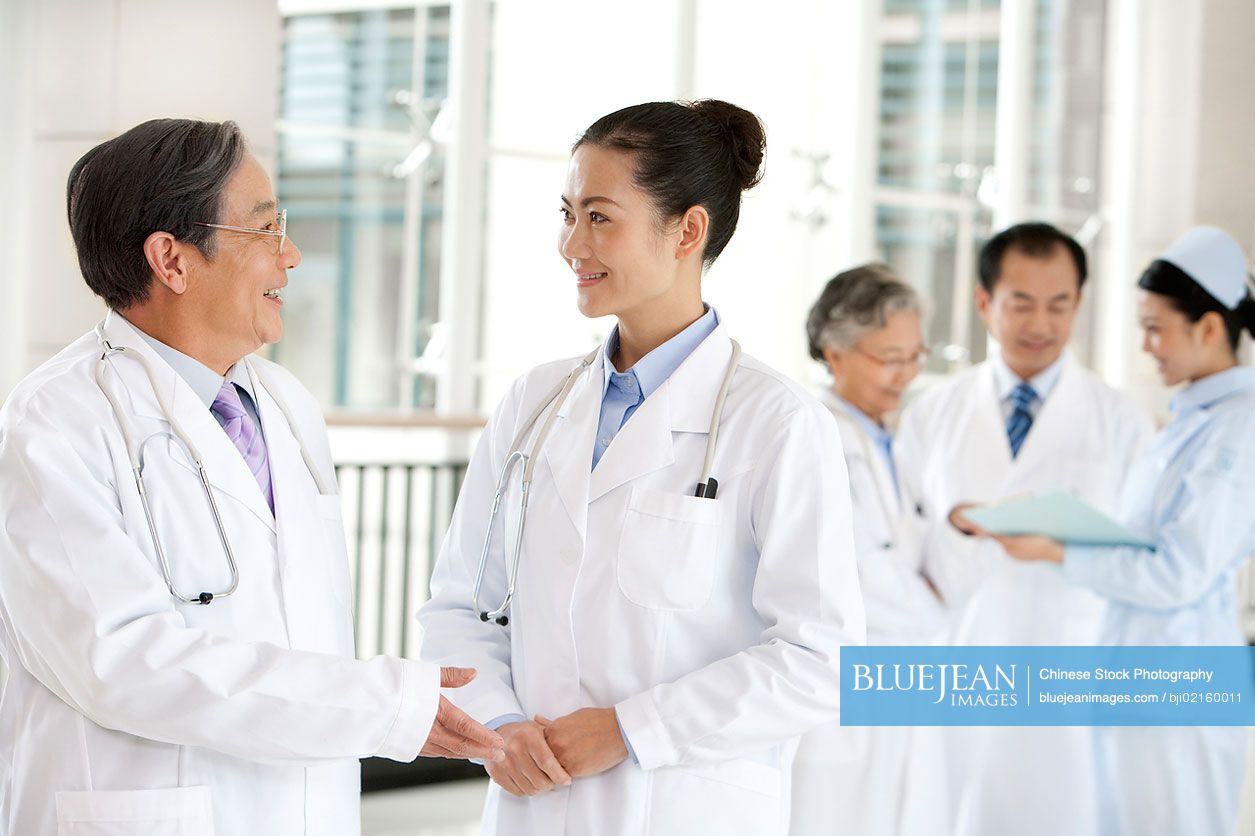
(857, 441)
(224, 465)
(204, 381)
(1043, 382)
(644, 444)
(1046, 435)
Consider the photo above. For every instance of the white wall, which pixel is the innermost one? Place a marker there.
(1180, 153)
(74, 73)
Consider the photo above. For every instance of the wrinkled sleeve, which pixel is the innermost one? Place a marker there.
(92, 620)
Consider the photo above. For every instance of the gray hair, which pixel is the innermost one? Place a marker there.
(856, 302)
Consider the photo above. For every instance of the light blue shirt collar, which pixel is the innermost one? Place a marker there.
(652, 370)
(1042, 382)
(875, 431)
(204, 381)
(1206, 391)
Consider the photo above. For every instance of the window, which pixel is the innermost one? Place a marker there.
(939, 118)
(360, 171)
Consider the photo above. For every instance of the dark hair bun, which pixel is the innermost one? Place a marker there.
(744, 133)
(686, 154)
(1246, 311)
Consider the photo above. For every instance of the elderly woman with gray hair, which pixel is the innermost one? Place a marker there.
(866, 328)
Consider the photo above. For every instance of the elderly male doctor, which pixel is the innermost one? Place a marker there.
(219, 694)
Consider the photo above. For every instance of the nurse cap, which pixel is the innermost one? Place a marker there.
(1214, 260)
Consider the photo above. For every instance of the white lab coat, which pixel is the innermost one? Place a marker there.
(951, 448)
(126, 712)
(1192, 494)
(889, 780)
(713, 626)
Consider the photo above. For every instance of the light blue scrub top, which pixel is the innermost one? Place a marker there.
(1192, 492)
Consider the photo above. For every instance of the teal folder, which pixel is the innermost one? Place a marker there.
(1059, 516)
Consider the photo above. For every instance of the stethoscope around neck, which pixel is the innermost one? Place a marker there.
(707, 486)
(136, 452)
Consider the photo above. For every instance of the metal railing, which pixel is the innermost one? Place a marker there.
(395, 517)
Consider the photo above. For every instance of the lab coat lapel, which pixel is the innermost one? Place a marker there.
(290, 480)
(852, 433)
(642, 445)
(988, 427)
(568, 452)
(224, 466)
(1055, 425)
(983, 457)
(683, 403)
(304, 551)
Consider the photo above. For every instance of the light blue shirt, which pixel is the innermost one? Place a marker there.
(880, 436)
(1190, 493)
(204, 381)
(1043, 383)
(623, 392)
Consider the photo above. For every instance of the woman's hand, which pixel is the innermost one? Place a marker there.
(1032, 547)
(529, 766)
(587, 741)
(962, 523)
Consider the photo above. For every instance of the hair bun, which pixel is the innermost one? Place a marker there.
(745, 135)
(1246, 312)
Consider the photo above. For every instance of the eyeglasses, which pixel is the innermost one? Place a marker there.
(897, 364)
(281, 220)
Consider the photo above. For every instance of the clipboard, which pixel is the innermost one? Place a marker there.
(1057, 515)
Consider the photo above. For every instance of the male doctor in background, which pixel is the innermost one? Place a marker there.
(127, 709)
(1029, 419)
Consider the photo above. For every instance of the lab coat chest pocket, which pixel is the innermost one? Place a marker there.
(181, 811)
(668, 549)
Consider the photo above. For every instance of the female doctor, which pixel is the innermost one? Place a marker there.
(1191, 494)
(865, 328)
(666, 641)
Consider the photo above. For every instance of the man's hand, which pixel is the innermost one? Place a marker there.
(454, 734)
(1032, 547)
(529, 767)
(962, 523)
(587, 741)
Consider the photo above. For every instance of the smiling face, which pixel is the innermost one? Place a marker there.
(624, 258)
(875, 373)
(1183, 350)
(1032, 308)
(236, 294)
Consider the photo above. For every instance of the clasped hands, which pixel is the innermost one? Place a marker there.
(541, 754)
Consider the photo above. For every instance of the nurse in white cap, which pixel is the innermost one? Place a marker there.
(1192, 494)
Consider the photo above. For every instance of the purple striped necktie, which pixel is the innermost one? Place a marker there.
(239, 427)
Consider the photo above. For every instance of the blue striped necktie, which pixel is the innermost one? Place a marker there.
(1021, 419)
